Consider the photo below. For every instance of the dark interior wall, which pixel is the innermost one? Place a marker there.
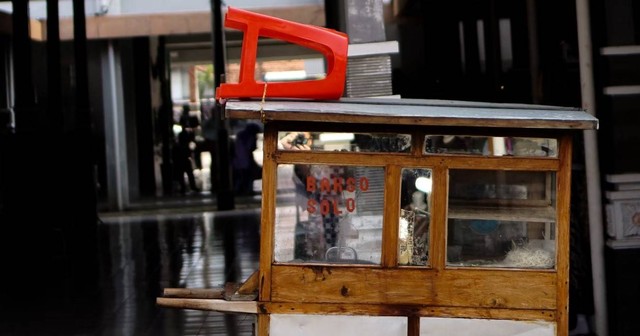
(145, 119)
(617, 25)
(136, 76)
(619, 15)
(129, 91)
(162, 108)
(623, 291)
(405, 78)
(438, 63)
(47, 154)
(558, 46)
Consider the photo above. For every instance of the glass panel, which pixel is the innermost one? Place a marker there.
(337, 325)
(445, 326)
(501, 219)
(415, 217)
(334, 214)
(347, 142)
(490, 146)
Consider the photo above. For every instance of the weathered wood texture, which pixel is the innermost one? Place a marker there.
(240, 307)
(563, 232)
(194, 293)
(269, 186)
(464, 288)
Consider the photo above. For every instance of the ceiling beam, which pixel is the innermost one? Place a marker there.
(36, 27)
(182, 23)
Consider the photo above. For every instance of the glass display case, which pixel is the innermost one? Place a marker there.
(421, 217)
(426, 211)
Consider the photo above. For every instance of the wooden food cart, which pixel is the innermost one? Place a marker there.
(411, 217)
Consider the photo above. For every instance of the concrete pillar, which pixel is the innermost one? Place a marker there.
(115, 130)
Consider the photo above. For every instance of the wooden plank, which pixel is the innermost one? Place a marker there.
(251, 285)
(500, 163)
(527, 214)
(417, 144)
(406, 310)
(224, 306)
(457, 287)
(269, 187)
(438, 225)
(194, 293)
(414, 326)
(339, 158)
(563, 233)
(262, 327)
(406, 160)
(391, 216)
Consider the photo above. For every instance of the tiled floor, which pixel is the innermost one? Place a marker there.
(141, 253)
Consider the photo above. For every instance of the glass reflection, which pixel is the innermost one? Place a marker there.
(490, 146)
(501, 219)
(413, 235)
(345, 142)
(335, 216)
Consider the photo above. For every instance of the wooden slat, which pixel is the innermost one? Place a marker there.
(406, 160)
(263, 323)
(406, 310)
(269, 187)
(461, 287)
(527, 214)
(500, 163)
(563, 233)
(241, 307)
(351, 158)
(251, 285)
(438, 225)
(391, 217)
(414, 326)
(417, 143)
(194, 293)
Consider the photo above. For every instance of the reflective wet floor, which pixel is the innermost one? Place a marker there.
(140, 254)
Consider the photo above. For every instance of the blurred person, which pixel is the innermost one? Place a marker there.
(182, 154)
(245, 168)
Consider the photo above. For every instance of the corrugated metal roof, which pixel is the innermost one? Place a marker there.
(414, 112)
